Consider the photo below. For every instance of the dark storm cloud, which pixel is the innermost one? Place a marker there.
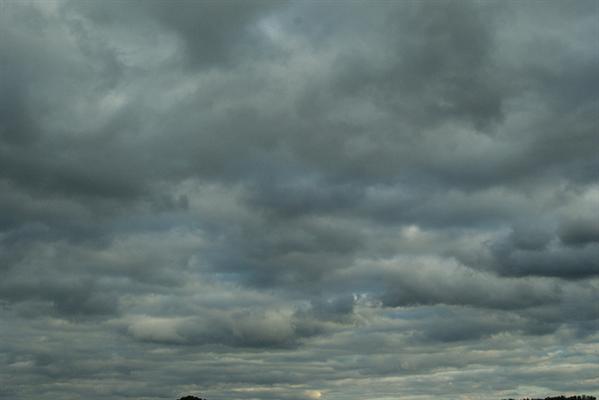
(75, 299)
(573, 254)
(256, 200)
(463, 287)
(211, 32)
(245, 328)
(16, 126)
(440, 66)
(579, 232)
(431, 76)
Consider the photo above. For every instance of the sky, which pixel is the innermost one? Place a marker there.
(301, 200)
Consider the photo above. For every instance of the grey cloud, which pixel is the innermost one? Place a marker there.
(460, 286)
(211, 32)
(443, 58)
(245, 327)
(254, 200)
(335, 307)
(241, 329)
(16, 127)
(559, 258)
(579, 232)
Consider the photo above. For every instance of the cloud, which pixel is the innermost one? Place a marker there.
(246, 329)
(561, 257)
(210, 33)
(298, 200)
(579, 232)
(431, 282)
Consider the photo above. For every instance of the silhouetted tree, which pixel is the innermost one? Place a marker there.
(581, 397)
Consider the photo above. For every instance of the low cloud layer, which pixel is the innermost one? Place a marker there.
(266, 200)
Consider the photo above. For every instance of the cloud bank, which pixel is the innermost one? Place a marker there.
(302, 200)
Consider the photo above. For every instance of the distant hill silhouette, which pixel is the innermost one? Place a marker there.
(582, 397)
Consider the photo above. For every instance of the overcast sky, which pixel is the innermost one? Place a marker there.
(298, 200)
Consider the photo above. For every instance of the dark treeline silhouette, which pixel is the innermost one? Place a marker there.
(582, 397)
